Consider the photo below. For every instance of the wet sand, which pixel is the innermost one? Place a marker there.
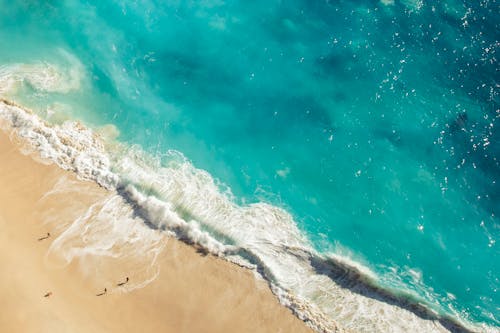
(192, 292)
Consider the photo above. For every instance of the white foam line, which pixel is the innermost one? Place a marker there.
(263, 234)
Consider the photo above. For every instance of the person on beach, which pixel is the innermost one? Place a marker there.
(103, 293)
(45, 237)
(122, 283)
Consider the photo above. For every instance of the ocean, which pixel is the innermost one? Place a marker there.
(347, 150)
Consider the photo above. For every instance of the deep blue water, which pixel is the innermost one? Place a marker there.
(375, 125)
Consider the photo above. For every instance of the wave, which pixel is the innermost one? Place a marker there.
(42, 76)
(329, 292)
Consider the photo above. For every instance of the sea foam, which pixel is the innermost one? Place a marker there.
(328, 292)
(42, 76)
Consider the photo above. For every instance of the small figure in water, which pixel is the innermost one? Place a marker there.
(45, 237)
(122, 283)
(103, 293)
(48, 294)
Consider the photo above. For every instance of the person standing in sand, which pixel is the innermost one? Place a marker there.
(123, 283)
(103, 293)
(45, 237)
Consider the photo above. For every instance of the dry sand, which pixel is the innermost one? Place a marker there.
(192, 293)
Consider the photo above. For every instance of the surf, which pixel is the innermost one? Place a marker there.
(185, 202)
(332, 145)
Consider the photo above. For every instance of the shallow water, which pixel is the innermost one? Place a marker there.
(374, 124)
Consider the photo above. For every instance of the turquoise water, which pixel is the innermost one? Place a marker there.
(375, 124)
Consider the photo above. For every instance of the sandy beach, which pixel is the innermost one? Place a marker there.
(192, 292)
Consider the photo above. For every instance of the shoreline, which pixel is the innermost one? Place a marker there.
(81, 152)
(192, 292)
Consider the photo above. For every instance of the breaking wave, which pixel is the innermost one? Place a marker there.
(329, 292)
